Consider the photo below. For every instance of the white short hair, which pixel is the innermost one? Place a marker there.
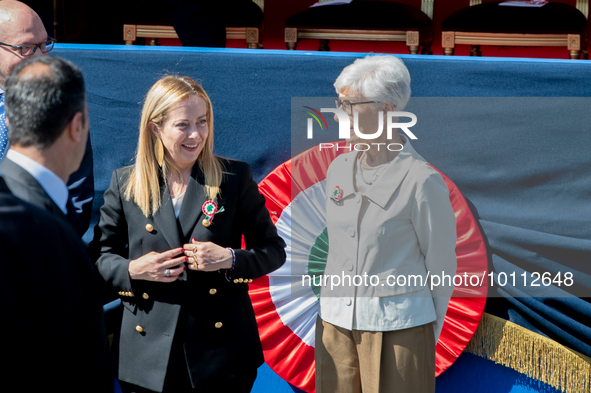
(380, 78)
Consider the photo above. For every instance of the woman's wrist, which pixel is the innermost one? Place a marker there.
(233, 258)
(131, 270)
(231, 269)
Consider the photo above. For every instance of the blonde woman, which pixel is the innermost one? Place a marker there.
(168, 244)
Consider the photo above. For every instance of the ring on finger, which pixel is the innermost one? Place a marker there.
(194, 250)
(167, 273)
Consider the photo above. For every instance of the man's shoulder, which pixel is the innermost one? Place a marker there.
(17, 213)
(13, 172)
(21, 183)
(10, 169)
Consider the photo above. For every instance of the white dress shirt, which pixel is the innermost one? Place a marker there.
(401, 225)
(51, 183)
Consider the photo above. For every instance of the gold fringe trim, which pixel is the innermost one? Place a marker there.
(531, 354)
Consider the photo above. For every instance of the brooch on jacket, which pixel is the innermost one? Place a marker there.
(337, 195)
(210, 209)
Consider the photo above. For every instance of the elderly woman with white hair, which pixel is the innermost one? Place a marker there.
(390, 227)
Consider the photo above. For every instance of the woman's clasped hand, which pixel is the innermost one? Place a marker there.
(169, 265)
(207, 256)
(158, 266)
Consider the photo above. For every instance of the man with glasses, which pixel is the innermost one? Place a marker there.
(22, 35)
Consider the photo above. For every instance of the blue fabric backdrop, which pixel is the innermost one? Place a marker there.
(528, 184)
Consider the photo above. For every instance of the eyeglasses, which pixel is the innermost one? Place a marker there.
(29, 50)
(348, 105)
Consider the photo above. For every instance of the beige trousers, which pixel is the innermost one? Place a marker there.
(374, 362)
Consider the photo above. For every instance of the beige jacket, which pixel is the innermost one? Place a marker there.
(408, 229)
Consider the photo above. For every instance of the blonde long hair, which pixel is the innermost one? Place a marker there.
(142, 185)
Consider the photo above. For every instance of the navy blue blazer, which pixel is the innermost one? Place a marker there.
(211, 317)
(52, 316)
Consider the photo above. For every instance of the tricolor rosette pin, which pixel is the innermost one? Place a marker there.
(337, 195)
(210, 209)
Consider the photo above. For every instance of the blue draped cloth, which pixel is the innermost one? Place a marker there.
(529, 184)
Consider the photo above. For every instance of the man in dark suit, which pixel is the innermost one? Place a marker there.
(48, 120)
(52, 320)
(22, 35)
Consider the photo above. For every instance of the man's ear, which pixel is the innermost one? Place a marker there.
(76, 127)
(389, 107)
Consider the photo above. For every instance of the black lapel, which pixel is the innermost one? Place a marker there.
(164, 219)
(3, 187)
(195, 197)
(166, 222)
(25, 186)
